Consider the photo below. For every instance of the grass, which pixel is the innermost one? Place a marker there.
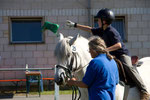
(33, 91)
(22, 93)
(61, 92)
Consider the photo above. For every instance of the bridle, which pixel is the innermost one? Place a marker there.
(69, 70)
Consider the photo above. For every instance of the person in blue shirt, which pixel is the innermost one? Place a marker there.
(101, 76)
(115, 46)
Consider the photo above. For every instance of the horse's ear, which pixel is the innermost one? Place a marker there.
(72, 41)
(60, 36)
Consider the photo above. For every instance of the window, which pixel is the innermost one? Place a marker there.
(26, 30)
(119, 24)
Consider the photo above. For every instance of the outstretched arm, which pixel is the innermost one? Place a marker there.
(82, 27)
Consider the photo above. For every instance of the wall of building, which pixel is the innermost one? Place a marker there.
(137, 13)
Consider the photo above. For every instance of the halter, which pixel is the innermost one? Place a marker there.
(69, 70)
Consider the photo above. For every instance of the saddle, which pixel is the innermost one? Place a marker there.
(124, 77)
(122, 74)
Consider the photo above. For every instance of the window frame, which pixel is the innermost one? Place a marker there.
(28, 19)
(125, 27)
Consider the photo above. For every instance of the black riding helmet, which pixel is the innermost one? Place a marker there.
(106, 14)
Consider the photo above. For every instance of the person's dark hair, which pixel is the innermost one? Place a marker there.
(106, 14)
(98, 45)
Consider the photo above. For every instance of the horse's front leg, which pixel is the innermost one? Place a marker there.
(119, 92)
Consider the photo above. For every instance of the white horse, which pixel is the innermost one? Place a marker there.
(73, 53)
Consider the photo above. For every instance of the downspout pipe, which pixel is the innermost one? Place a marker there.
(89, 12)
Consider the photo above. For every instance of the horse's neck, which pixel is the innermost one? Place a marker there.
(84, 59)
(80, 74)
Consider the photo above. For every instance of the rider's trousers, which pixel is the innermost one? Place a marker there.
(127, 64)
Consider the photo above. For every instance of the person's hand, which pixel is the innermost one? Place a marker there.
(70, 23)
(74, 79)
(70, 82)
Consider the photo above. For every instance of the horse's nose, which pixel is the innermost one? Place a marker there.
(60, 79)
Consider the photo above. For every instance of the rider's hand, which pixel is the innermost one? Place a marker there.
(71, 24)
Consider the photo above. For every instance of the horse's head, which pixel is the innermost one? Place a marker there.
(72, 54)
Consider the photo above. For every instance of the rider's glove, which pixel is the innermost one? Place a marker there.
(71, 24)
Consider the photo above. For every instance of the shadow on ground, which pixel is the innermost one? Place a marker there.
(6, 95)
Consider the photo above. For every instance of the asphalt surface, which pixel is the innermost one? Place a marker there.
(35, 97)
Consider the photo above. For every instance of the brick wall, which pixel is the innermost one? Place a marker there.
(139, 34)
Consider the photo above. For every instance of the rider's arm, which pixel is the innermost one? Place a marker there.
(84, 28)
(114, 47)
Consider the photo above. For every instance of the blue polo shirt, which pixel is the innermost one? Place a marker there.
(101, 77)
(111, 36)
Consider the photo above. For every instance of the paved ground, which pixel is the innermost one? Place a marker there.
(35, 97)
